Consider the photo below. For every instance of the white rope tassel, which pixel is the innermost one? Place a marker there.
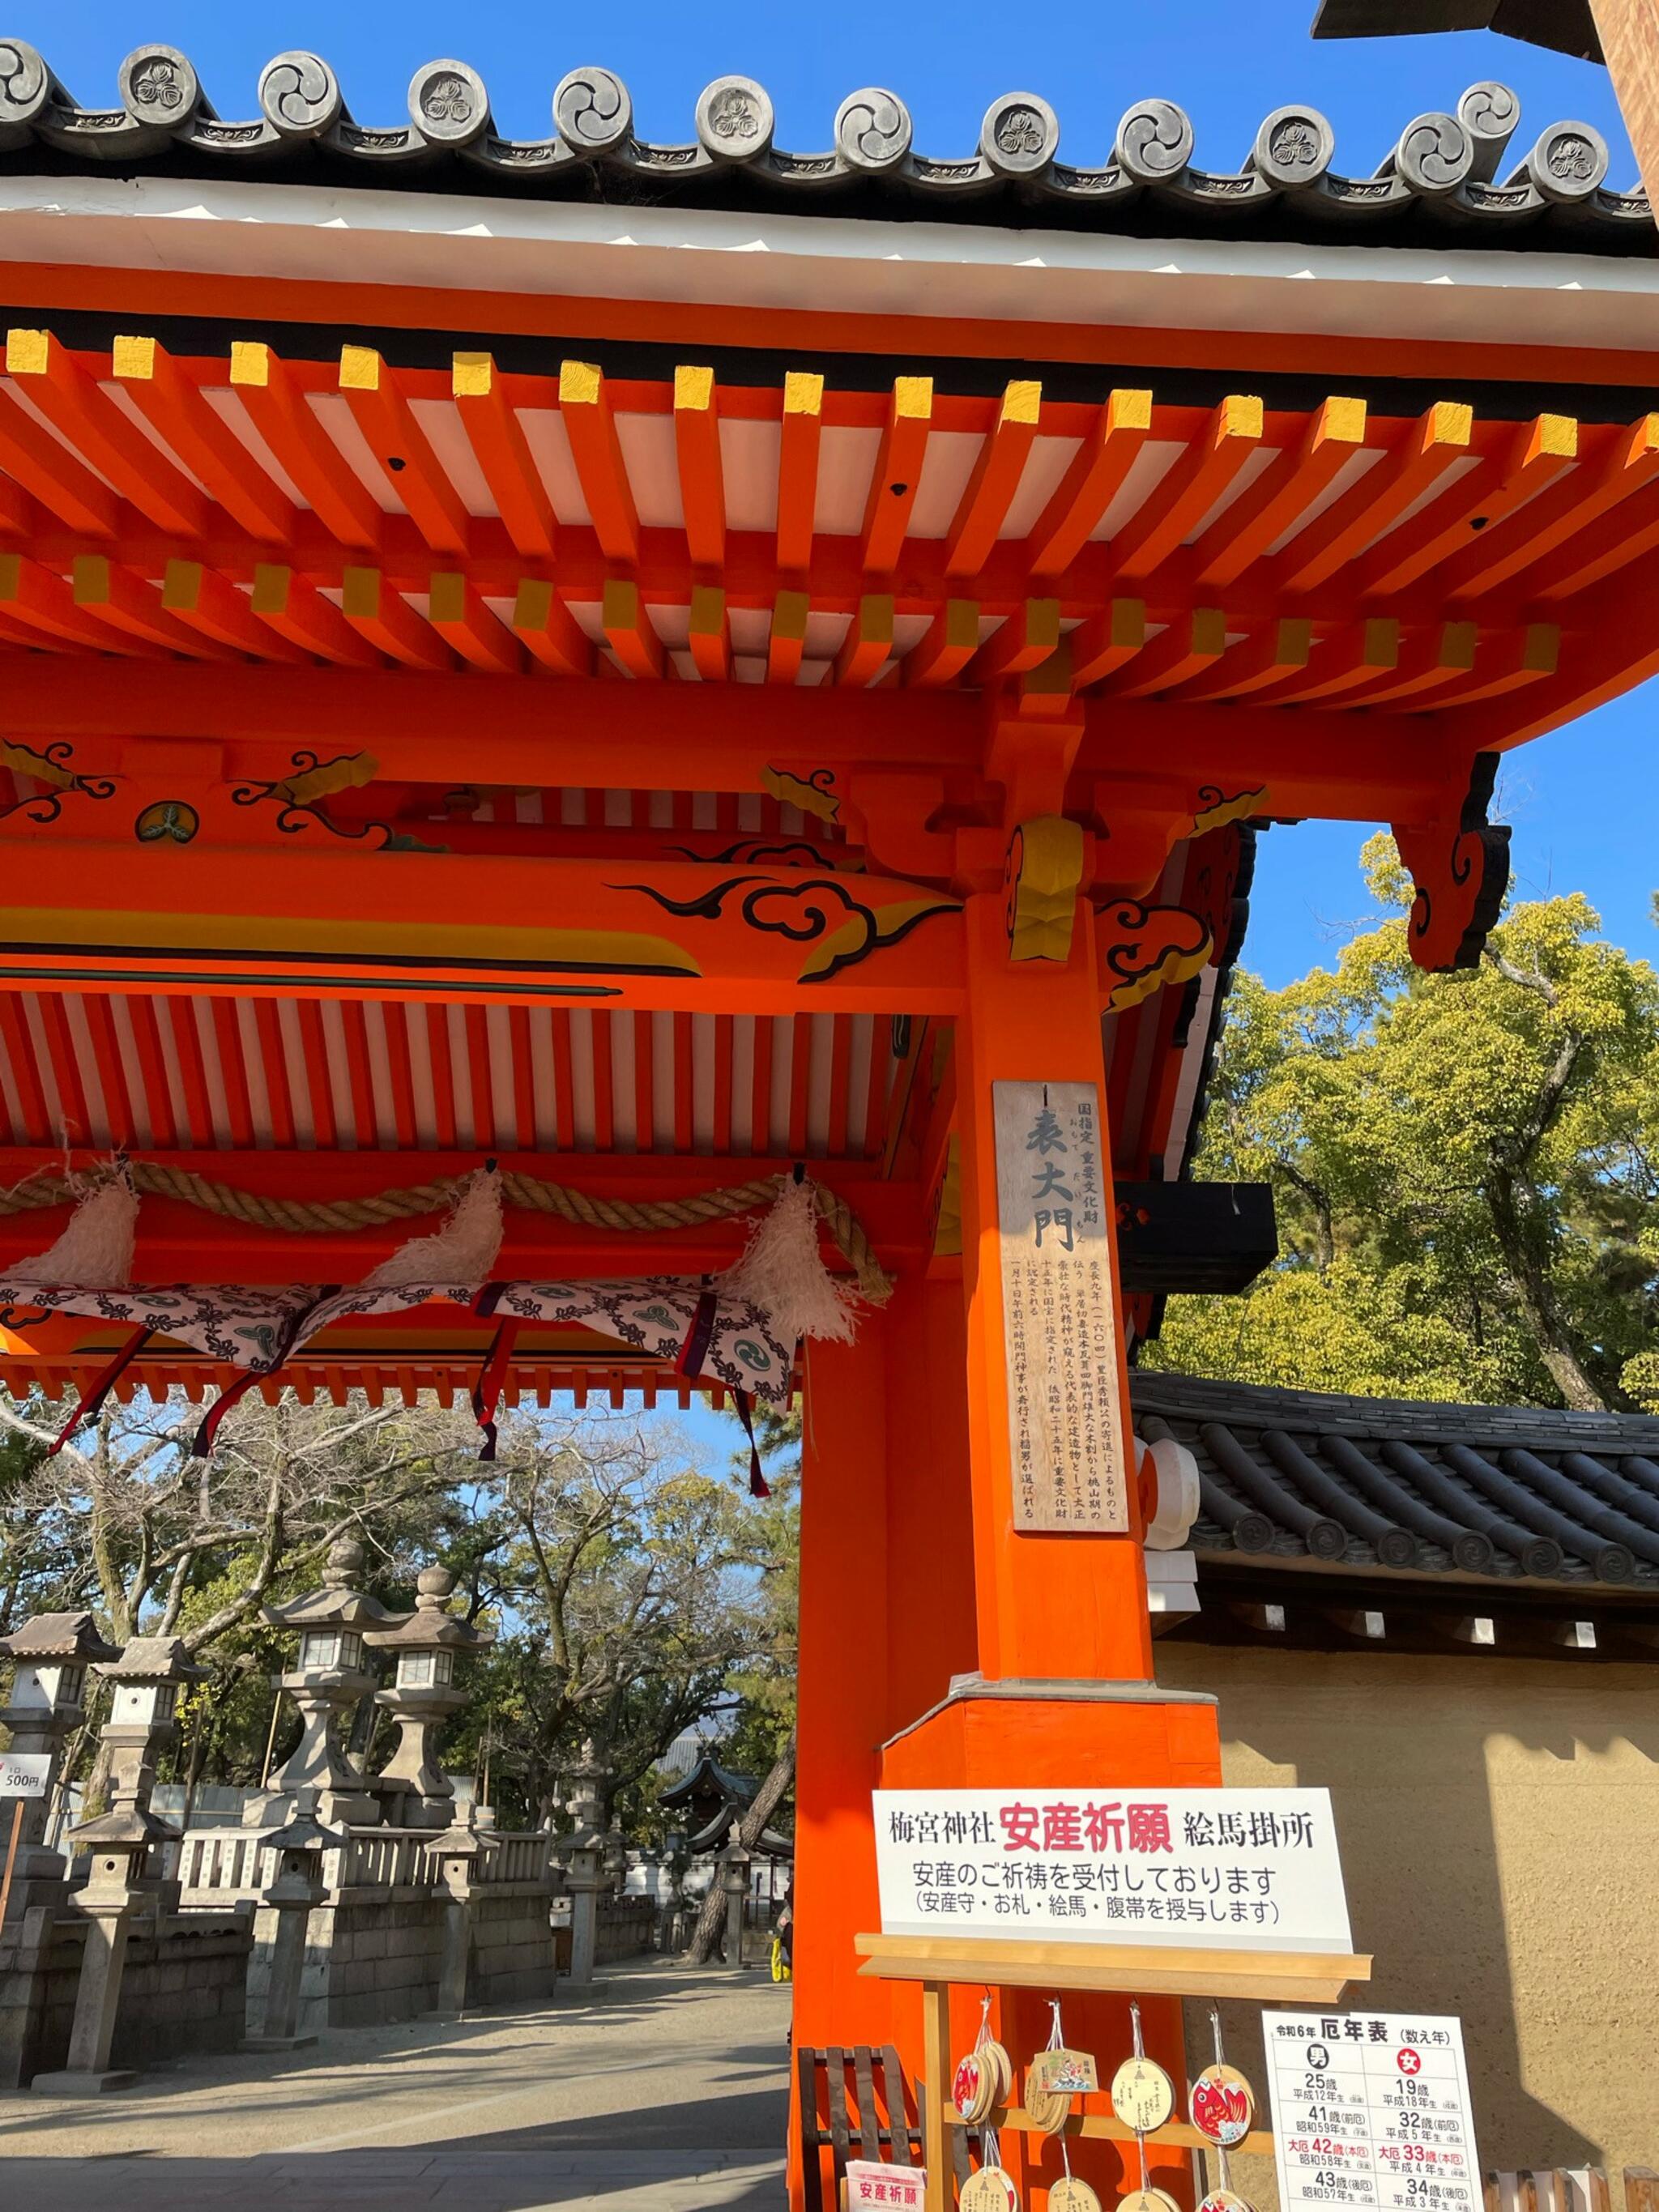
(94, 1252)
(462, 1251)
(782, 1272)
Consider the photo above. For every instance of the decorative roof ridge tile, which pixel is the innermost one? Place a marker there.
(1265, 1406)
(1439, 180)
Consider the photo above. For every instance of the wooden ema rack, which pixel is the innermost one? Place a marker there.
(940, 1962)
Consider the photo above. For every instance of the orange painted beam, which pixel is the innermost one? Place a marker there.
(951, 643)
(491, 929)
(461, 618)
(381, 614)
(1189, 491)
(1026, 637)
(989, 492)
(46, 468)
(72, 400)
(1539, 454)
(897, 474)
(586, 403)
(293, 608)
(1506, 664)
(868, 645)
(1255, 663)
(702, 479)
(502, 452)
(1105, 642)
(1350, 657)
(279, 409)
(1413, 471)
(630, 632)
(178, 410)
(799, 443)
(202, 600)
(1254, 522)
(1184, 649)
(709, 635)
(785, 641)
(1427, 664)
(1573, 510)
(1114, 444)
(41, 601)
(370, 388)
(550, 631)
(127, 602)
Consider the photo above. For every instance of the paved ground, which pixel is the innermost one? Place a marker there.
(670, 2095)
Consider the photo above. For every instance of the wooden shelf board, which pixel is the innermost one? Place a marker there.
(1143, 1970)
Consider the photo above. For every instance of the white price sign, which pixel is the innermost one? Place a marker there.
(1231, 1870)
(24, 1773)
(1371, 2111)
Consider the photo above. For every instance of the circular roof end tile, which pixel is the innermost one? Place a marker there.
(592, 111)
(735, 120)
(299, 95)
(1154, 141)
(873, 129)
(1569, 163)
(1435, 155)
(158, 87)
(26, 83)
(1020, 135)
(1294, 146)
(447, 103)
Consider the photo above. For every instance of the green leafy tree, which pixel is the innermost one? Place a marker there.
(1465, 1168)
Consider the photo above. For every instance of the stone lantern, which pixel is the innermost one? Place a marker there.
(581, 1853)
(124, 1877)
(734, 1863)
(328, 1684)
(52, 1653)
(294, 1891)
(422, 1697)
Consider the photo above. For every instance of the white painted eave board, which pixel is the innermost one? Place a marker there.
(719, 259)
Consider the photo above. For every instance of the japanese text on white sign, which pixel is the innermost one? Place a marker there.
(1060, 1322)
(1371, 2111)
(896, 2187)
(1239, 1869)
(24, 1773)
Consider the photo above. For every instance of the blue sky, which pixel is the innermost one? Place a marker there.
(1581, 800)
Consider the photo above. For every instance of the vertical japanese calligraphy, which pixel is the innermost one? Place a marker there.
(1060, 1323)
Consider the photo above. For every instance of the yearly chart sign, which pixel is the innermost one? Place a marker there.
(1371, 2112)
(1231, 1870)
(1059, 1323)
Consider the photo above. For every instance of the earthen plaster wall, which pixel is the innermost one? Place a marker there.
(1499, 1827)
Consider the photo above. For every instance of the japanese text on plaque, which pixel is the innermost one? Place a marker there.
(1065, 1420)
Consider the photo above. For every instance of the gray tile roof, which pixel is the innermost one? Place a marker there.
(1439, 182)
(1517, 1492)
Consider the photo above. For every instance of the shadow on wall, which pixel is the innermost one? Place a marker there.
(1499, 1827)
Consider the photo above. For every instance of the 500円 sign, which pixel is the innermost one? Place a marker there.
(1240, 1869)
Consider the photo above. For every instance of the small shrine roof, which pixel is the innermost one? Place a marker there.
(709, 1774)
(59, 1636)
(1449, 177)
(1519, 1493)
(153, 1659)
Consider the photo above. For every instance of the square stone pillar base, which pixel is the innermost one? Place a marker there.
(77, 2084)
(265, 2043)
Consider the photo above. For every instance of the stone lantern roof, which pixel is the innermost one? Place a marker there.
(153, 1659)
(337, 1604)
(431, 1626)
(67, 1636)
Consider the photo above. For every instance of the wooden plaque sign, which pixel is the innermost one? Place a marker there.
(1059, 1319)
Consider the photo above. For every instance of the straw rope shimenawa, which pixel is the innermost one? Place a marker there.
(306, 1216)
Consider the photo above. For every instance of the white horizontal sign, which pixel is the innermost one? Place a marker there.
(1233, 1869)
(24, 1773)
(1371, 2112)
